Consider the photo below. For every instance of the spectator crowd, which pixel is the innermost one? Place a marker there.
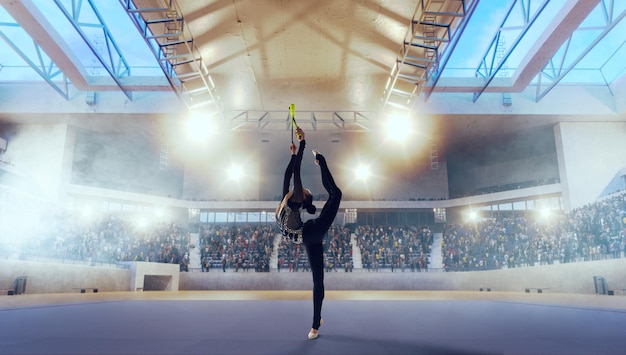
(591, 232)
(112, 240)
(237, 247)
(337, 252)
(394, 247)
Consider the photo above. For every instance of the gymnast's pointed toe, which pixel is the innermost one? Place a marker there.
(315, 153)
(314, 333)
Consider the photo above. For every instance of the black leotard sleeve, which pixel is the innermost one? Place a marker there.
(293, 169)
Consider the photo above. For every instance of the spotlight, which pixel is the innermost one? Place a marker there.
(545, 215)
(235, 172)
(362, 172)
(200, 126)
(398, 126)
(545, 212)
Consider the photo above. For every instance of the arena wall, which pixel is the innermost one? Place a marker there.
(38, 151)
(62, 278)
(566, 278)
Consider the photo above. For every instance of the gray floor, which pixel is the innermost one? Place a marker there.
(280, 327)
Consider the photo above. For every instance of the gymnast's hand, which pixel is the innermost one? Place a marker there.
(299, 134)
(293, 149)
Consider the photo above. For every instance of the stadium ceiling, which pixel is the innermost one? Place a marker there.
(345, 64)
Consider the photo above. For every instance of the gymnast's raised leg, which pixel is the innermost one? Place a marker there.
(313, 233)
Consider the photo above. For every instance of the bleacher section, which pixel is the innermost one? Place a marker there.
(394, 247)
(510, 241)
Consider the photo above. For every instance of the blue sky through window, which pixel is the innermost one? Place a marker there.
(601, 65)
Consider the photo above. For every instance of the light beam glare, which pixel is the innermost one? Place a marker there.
(201, 126)
(398, 127)
(363, 172)
(235, 172)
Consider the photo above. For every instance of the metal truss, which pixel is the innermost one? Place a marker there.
(352, 121)
(114, 62)
(555, 70)
(163, 27)
(37, 59)
(492, 61)
(432, 35)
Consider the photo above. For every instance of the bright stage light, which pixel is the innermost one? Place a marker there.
(545, 212)
(472, 215)
(235, 172)
(200, 126)
(545, 215)
(362, 172)
(398, 127)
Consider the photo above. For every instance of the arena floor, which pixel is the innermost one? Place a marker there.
(277, 322)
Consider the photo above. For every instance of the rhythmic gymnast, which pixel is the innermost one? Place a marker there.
(310, 233)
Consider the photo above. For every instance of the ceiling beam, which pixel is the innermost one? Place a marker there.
(497, 53)
(43, 33)
(560, 29)
(113, 60)
(567, 20)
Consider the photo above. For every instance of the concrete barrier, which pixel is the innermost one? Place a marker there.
(49, 277)
(564, 278)
(59, 278)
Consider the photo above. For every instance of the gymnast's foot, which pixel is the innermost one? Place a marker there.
(315, 153)
(314, 333)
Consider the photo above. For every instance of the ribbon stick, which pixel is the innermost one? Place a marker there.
(292, 112)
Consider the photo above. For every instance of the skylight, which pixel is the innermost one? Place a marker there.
(601, 63)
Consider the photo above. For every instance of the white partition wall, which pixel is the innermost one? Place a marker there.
(589, 155)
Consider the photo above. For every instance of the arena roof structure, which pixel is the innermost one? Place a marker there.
(345, 64)
(459, 70)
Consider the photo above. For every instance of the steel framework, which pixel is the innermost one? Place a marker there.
(163, 27)
(491, 62)
(556, 69)
(432, 34)
(114, 62)
(37, 59)
(353, 121)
